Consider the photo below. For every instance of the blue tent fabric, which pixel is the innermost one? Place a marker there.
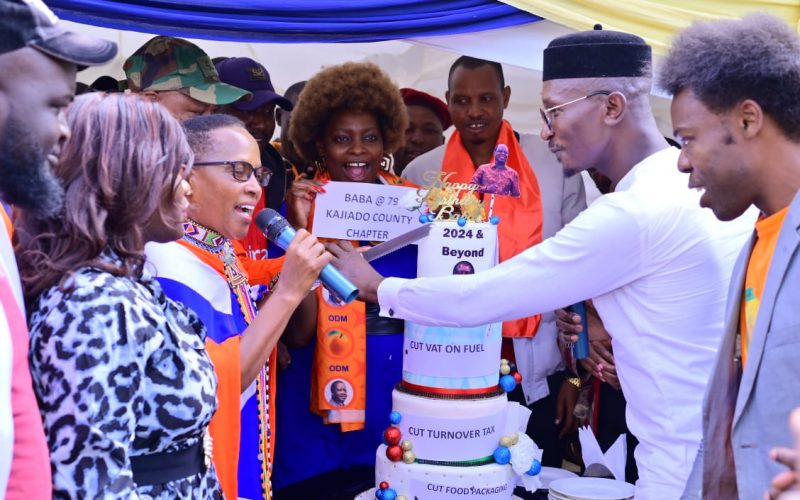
(294, 21)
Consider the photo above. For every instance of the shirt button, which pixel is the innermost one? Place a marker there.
(391, 312)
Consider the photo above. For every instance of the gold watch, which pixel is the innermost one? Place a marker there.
(576, 381)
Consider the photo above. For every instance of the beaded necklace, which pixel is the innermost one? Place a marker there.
(213, 242)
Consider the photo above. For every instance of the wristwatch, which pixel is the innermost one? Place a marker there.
(576, 381)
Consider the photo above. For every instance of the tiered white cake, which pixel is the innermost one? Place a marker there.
(452, 432)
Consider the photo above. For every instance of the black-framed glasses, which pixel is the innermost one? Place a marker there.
(546, 112)
(242, 170)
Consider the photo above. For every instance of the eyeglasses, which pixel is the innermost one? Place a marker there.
(242, 170)
(546, 112)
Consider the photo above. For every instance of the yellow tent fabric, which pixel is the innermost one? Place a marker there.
(654, 20)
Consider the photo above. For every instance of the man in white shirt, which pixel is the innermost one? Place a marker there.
(655, 263)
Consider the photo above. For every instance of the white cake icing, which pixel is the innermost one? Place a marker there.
(451, 358)
(452, 430)
(454, 358)
(434, 482)
(452, 416)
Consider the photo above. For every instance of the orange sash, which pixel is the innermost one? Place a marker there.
(339, 370)
(520, 218)
(225, 426)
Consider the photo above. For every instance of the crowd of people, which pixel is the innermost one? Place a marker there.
(154, 345)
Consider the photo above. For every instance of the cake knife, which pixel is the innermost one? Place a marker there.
(397, 242)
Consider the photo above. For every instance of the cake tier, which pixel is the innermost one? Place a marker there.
(452, 249)
(436, 482)
(446, 431)
(452, 358)
(461, 360)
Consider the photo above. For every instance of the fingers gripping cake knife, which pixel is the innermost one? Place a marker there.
(452, 432)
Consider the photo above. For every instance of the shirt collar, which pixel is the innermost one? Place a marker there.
(644, 167)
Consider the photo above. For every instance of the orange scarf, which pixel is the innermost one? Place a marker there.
(341, 354)
(520, 218)
(225, 427)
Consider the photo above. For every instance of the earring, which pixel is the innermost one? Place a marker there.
(319, 165)
(387, 163)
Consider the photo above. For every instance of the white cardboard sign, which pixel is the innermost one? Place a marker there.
(364, 211)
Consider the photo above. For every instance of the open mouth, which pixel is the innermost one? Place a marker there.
(246, 210)
(356, 170)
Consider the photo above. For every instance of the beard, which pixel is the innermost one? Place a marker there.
(25, 176)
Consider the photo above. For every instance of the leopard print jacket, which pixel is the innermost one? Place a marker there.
(119, 370)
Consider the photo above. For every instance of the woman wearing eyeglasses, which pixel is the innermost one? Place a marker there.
(203, 271)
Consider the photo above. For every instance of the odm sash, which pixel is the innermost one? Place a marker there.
(520, 217)
(341, 353)
(340, 358)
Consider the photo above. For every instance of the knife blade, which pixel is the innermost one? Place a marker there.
(397, 242)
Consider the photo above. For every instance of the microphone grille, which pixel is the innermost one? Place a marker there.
(271, 223)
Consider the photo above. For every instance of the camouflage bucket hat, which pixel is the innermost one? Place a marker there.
(167, 63)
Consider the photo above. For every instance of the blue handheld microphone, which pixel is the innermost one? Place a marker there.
(279, 231)
(581, 348)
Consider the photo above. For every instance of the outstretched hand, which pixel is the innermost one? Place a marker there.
(353, 266)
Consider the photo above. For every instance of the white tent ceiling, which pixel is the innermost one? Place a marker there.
(421, 63)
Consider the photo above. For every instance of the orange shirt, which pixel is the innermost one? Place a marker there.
(767, 230)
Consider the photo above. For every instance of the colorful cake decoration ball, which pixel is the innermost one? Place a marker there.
(505, 369)
(389, 494)
(517, 376)
(401, 497)
(506, 441)
(513, 366)
(431, 217)
(462, 221)
(514, 438)
(383, 485)
(379, 494)
(409, 457)
(392, 436)
(536, 467)
(507, 383)
(394, 453)
(494, 220)
(423, 218)
(406, 445)
(503, 361)
(395, 417)
(502, 455)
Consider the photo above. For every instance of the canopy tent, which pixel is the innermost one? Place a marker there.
(295, 21)
(415, 41)
(421, 63)
(654, 20)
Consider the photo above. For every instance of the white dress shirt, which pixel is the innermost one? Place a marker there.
(657, 267)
